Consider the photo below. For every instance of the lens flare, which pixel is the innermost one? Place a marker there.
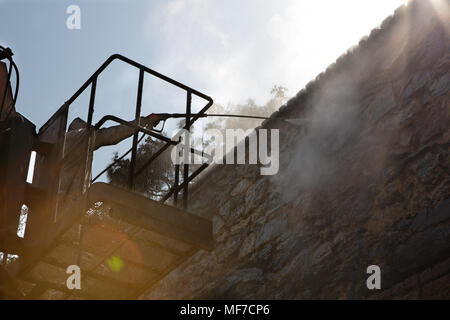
(115, 263)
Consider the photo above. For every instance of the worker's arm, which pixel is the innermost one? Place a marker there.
(115, 134)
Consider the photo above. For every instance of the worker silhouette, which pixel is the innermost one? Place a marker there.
(71, 175)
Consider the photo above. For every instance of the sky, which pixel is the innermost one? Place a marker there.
(230, 50)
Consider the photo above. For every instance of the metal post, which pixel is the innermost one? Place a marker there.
(177, 181)
(91, 103)
(87, 168)
(136, 133)
(89, 147)
(186, 165)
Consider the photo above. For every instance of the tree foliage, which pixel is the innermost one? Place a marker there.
(155, 179)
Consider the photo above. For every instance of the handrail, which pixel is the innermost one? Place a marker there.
(135, 64)
(190, 119)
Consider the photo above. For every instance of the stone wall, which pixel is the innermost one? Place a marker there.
(365, 180)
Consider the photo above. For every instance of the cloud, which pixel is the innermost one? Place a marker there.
(196, 50)
(175, 7)
(235, 50)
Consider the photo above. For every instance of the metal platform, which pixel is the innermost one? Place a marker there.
(127, 244)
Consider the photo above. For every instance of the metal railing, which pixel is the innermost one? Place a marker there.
(134, 172)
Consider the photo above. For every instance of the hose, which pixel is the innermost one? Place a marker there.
(6, 53)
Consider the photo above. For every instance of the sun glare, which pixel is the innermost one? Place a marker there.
(320, 31)
(442, 8)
